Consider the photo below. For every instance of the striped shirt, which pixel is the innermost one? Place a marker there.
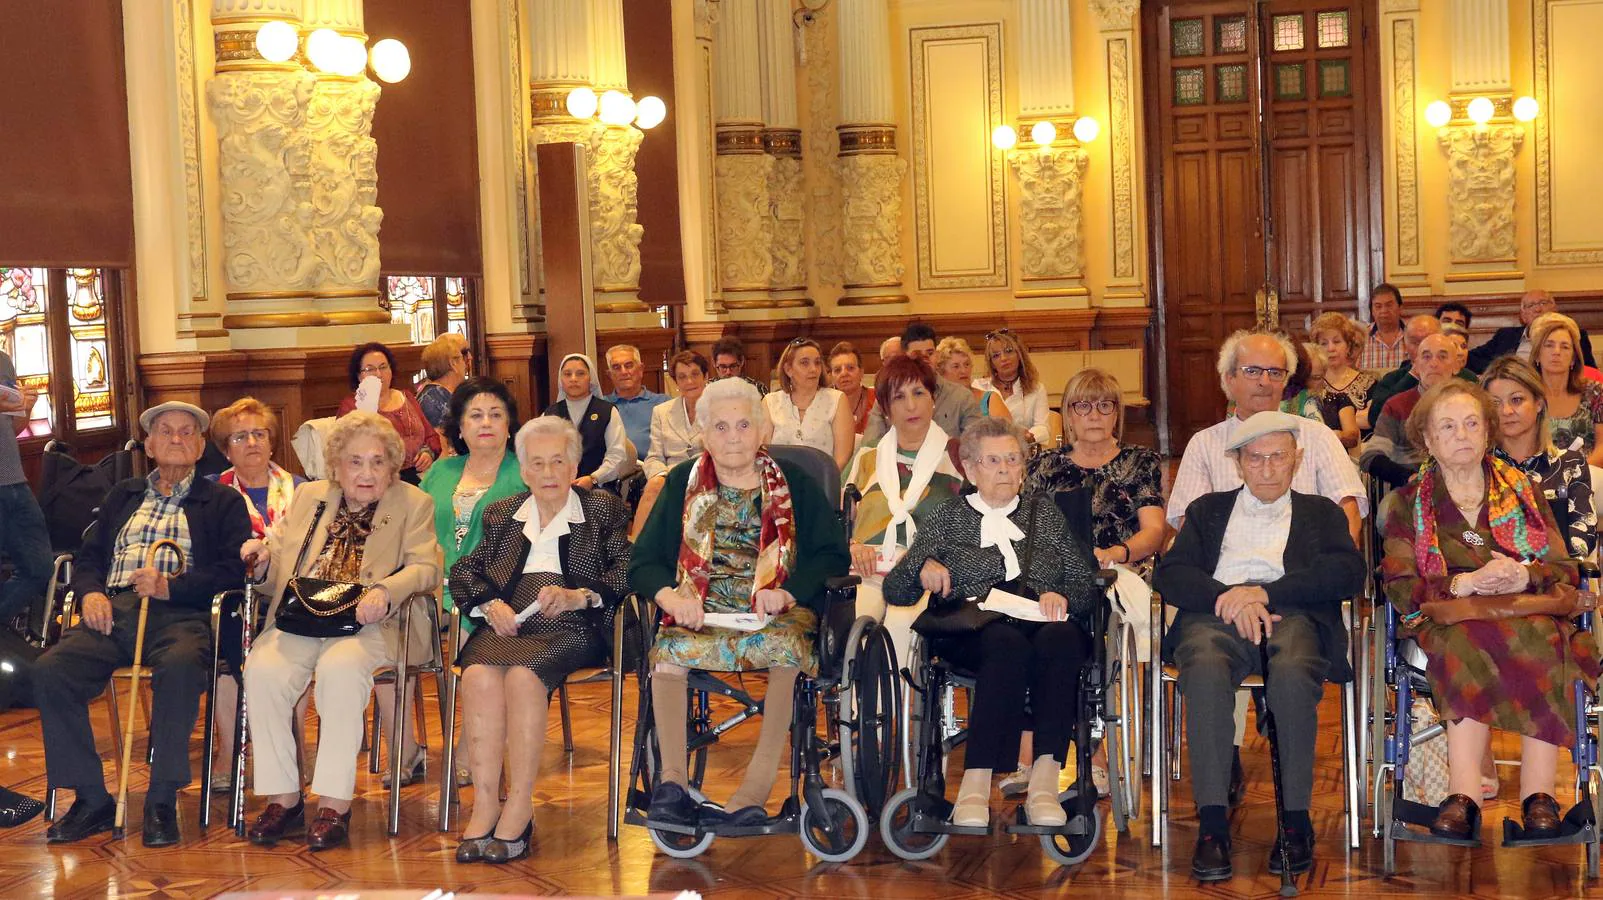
(1326, 468)
(158, 517)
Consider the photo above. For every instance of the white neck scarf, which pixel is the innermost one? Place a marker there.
(890, 484)
(997, 530)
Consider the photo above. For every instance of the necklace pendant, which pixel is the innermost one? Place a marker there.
(1473, 539)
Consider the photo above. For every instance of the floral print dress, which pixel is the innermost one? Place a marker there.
(1119, 487)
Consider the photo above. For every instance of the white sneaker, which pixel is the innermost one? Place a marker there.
(972, 811)
(1016, 783)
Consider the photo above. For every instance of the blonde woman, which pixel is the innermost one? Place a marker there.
(1343, 340)
(1015, 377)
(954, 362)
(806, 412)
(1574, 403)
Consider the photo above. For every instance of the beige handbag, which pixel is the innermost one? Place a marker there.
(1425, 780)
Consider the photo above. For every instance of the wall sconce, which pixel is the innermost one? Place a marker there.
(615, 108)
(1044, 133)
(1526, 109)
(1003, 137)
(1086, 129)
(582, 103)
(277, 41)
(390, 59)
(1438, 114)
(1480, 111)
(334, 53)
(650, 112)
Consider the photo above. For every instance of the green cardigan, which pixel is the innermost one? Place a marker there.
(440, 482)
(820, 544)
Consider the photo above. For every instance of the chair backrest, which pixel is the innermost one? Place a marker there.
(1076, 508)
(816, 463)
(308, 444)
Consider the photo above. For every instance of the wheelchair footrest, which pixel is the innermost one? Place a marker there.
(1076, 826)
(1411, 813)
(1577, 827)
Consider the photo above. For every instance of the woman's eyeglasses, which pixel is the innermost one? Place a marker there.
(1084, 407)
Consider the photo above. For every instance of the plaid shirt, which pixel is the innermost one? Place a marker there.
(1379, 356)
(158, 518)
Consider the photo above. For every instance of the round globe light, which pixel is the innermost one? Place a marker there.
(1438, 114)
(581, 103)
(276, 41)
(1525, 109)
(650, 112)
(617, 108)
(1043, 133)
(352, 57)
(1086, 129)
(1003, 137)
(1480, 110)
(323, 49)
(391, 60)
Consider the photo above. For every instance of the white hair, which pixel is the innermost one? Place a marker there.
(725, 389)
(1231, 350)
(630, 349)
(544, 427)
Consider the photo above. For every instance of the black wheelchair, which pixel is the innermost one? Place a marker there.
(916, 822)
(855, 686)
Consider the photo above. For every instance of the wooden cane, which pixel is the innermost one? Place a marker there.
(117, 826)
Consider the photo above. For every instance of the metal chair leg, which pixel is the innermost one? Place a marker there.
(1349, 769)
(448, 789)
(1158, 743)
(373, 740)
(567, 720)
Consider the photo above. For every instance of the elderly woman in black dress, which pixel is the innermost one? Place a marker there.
(993, 540)
(545, 580)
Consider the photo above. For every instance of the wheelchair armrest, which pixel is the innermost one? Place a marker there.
(1589, 570)
(222, 609)
(837, 584)
(1104, 579)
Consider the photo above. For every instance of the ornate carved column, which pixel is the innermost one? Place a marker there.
(783, 141)
(1405, 257)
(870, 171)
(1480, 158)
(1053, 259)
(741, 168)
(1125, 234)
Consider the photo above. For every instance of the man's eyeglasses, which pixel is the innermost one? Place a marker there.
(1259, 460)
(241, 438)
(1258, 372)
(1084, 407)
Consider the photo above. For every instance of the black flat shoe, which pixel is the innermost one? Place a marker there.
(1238, 780)
(1542, 817)
(16, 809)
(1211, 861)
(745, 817)
(1299, 851)
(161, 825)
(671, 804)
(471, 850)
(83, 819)
(497, 851)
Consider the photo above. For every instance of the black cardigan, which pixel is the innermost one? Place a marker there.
(1322, 568)
(218, 525)
(1507, 340)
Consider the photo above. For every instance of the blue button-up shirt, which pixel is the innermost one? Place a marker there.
(636, 413)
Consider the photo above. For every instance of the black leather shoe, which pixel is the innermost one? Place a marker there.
(1299, 851)
(161, 825)
(497, 851)
(278, 822)
(329, 830)
(1458, 817)
(83, 819)
(671, 804)
(745, 817)
(1211, 861)
(1238, 780)
(471, 850)
(1542, 816)
(16, 809)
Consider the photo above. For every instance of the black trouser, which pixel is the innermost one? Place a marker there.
(1008, 658)
(71, 674)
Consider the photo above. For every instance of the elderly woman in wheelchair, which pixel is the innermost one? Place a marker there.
(1011, 600)
(736, 555)
(1476, 567)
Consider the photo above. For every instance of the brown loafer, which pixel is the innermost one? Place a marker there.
(329, 830)
(276, 822)
(1541, 816)
(1458, 817)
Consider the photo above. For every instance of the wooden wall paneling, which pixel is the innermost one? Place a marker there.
(648, 27)
(519, 361)
(565, 253)
(656, 346)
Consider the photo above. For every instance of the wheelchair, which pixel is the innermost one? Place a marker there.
(916, 822)
(1398, 668)
(856, 688)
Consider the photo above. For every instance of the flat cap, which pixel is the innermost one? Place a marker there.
(1259, 424)
(147, 419)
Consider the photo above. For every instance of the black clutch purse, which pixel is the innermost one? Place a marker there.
(955, 618)
(318, 607)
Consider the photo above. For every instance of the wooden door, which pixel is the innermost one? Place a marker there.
(1262, 181)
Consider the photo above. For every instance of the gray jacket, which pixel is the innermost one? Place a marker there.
(955, 407)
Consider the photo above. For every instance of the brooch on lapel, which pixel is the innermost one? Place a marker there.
(384, 521)
(595, 416)
(1473, 539)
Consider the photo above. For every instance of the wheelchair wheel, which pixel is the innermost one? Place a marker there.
(1073, 849)
(681, 846)
(840, 813)
(871, 759)
(896, 829)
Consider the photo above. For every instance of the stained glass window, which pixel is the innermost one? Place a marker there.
(1230, 34)
(1332, 29)
(1188, 87)
(1185, 37)
(1231, 83)
(1333, 78)
(456, 306)
(429, 305)
(1289, 82)
(54, 326)
(1288, 32)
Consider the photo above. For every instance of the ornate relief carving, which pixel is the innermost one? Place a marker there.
(266, 242)
(614, 209)
(1404, 146)
(786, 200)
(1121, 137)
(333, 161)
(1480, 190)
(1115, 15)
(189, 135)
(745, 221)
(1049, 211)
(821, 172)
(871, 238)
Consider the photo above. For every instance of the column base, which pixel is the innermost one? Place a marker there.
(611, 321)
(873, 300)
(317, 336)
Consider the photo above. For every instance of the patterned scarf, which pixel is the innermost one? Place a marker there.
(1511, 508)
(280, 490)
(776, 544)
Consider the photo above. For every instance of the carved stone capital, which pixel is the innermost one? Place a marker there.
(871, 235)
(786, 201)
(334, 162)
(1480, 190)
(1049, 211)
(745, 221)
(1115, 15)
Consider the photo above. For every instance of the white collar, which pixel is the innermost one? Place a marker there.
(573, 512)
(1254, 506)
(983, 508)
(997, 530)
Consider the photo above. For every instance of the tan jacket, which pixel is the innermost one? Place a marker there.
(402, 553)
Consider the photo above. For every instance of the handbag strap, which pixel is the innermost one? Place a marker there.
(307, 544)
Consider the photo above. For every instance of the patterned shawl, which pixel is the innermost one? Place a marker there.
(1512, 510)
(280, 489)
(776, 543)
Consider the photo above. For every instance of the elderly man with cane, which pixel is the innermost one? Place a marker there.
(1259, 563)
(114, 576)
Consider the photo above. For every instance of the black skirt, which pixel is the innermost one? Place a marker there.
(553, 648)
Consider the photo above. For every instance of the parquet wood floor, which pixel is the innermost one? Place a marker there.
(572, 855)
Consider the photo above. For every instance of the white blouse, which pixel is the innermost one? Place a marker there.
(1029, 410)
(815, 428)
(674, 438)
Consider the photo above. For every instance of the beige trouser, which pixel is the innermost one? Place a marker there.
(276, 673)
(898, 620)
